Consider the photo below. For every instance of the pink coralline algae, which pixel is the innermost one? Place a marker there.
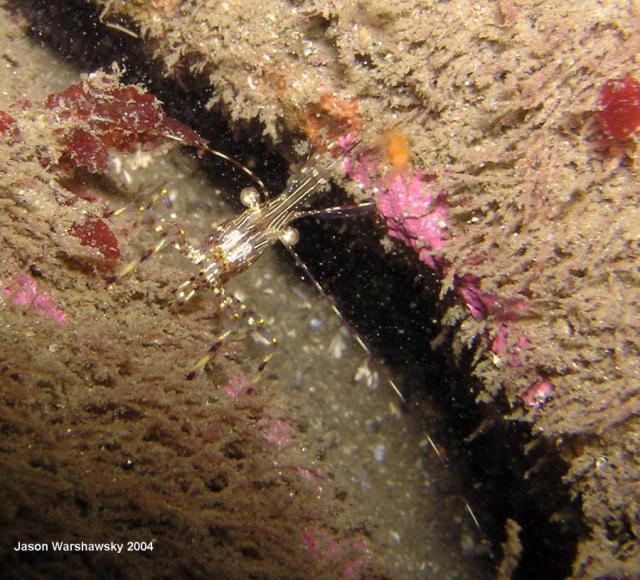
(415, 214)
(414, 210)
(362, 168)
(23, 291)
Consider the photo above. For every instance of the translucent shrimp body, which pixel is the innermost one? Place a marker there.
(239, 241)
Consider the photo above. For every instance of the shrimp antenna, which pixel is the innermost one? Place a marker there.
(262, 188)
(241, 166)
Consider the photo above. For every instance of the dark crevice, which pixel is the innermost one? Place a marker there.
(393, 304)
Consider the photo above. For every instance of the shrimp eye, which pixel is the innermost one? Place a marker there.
(250, 197)
(290, 236)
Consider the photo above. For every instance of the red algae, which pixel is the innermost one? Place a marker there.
(92, 118)
(85, 149)
(619, 113)
(105, 114)
(8, 128)
(97, 234)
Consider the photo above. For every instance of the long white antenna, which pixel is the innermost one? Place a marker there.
(338, 313)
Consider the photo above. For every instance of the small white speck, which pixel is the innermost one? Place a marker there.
(366, 375)
(467, 544)
(337, 346)
(379, 452)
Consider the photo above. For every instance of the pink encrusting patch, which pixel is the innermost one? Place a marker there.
(363, 166)
(362, 170)
(416, 214)
(237, 386)
(414, 211)
(23, 291)
(482, 304)
(276, 431)
(350, 552)
(479, 303)
(537, 393)
(513, 354)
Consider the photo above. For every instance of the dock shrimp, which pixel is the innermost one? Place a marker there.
(238, 242)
